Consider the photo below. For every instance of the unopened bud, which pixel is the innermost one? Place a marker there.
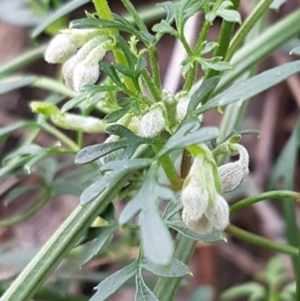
(85, 75)
(181, 108)
(194, 199)
(218, 215)
(60, 49)
(233, 173)
(152, 123)
(82, 35)
(200, 226)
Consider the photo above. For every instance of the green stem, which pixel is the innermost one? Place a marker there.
(281, 194)
(225, 35)
(104, 13)
(154, 66)
(103, 9)
(166, 288)
(190, 79)
(169, 169)
(52, 85)
(298, 276)
(23, 59)
(249, 23)
(60, 136)
(261, 242)
(155, 92)
(28, 212)
(60, 244)
(135, 15)
(261, 47)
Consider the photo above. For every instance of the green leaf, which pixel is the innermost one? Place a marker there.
(202, 92)
(157, 242)
(143, 293)
(213, 236)
(248, 88)
(191, 7)
(214, 63)
(253, 290)
(210, 17)
(17, 192)
(98, 244)
(295, 51)
(175, 268)
(110, 284)
(288, 292)
(130, 143)
(13, 82)
(116, 115)
(276, 4)
(169, 7)
(118, 170)
(237, 134)
(62, 11)
(126, 50)
(164, 27)
(172, 208)
(189, 134)
(17, 126)
(229, 15)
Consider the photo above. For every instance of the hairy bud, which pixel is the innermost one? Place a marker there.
(152, 123)
(85, 75)
(60, 49)
(181, 108)
(200, 226)
(233, 173)
(218, 215)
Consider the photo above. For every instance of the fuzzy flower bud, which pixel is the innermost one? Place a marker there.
(60, 49)
(152, 123)
(82, 35)
(85, 75)
(233, 173)
(200, 226)
(194, 199)
(218, 215)
(181, 108)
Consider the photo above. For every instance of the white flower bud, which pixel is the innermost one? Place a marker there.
(85, 75)
(152, 123)
(60, 49)
(200, 226)
(218, 215)
(233, 173)
(194, 199)
(181, 108)
(81, 35)
(68, 70)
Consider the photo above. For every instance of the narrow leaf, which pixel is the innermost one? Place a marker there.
(143, 293)
(175, 268)
(14, 82)
(248, 88)
(109, 285)
(213, 236)
(98, 244)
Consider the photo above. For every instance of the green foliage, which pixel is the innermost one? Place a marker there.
(152, 172)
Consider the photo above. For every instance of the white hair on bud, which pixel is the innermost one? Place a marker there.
(152, 123)
(233, 173)
(181, 108)
(194, 199)
(85, 75)
(61, 48)
(218, 215)
(200, 226)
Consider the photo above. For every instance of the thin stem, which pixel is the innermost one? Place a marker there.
(60, 244)
(249, 23)
(135, 15)
(60, 136)
(277, 194)
(224, 39)
(190, 79)
(166, 288)
(103, 9)
(169, 169)
(155, 92)
(298, 276)
(52, 85)
(28, 212)
(154, 66)
(261, 241)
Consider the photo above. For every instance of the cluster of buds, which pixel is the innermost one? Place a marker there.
(204, 208)
(79, 50)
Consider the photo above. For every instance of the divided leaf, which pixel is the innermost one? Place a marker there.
(112, 283)
(143, 293)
